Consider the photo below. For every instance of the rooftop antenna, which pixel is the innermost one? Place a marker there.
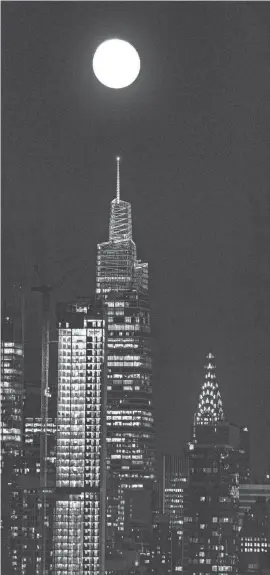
(117, 179)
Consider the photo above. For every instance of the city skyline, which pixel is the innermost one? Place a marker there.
(203, 231)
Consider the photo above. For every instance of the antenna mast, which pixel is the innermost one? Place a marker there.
(118, 179)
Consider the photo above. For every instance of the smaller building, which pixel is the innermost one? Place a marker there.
(248, 495)
(174, 483)
(161, 560)
(32, 515)
(255, 538)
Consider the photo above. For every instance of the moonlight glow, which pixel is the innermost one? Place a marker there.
(116, 63)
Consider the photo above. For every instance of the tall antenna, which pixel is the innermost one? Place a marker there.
(118, 179)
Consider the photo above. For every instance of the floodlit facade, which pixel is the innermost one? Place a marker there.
(79, 521)
(122, 284)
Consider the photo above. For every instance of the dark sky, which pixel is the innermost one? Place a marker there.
(193, 132)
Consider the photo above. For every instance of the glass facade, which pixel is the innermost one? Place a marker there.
(79, 521)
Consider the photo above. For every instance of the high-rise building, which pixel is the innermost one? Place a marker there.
(211, 499)
(79, 522)
(12, 391)
(122, 284)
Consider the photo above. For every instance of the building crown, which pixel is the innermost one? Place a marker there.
(210, 409)
(120, 228)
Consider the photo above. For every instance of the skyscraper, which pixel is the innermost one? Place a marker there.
(122, 283)
(12, 390)
(79, 521)
(211, 500)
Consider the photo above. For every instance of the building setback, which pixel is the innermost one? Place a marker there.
(79, 523)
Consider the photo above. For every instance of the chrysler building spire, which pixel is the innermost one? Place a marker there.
(210, 409)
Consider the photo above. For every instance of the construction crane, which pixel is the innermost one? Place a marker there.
(45, 291)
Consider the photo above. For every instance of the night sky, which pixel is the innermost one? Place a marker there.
(193, 133)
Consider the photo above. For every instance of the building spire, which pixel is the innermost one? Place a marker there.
(118, 179)
(210, 409)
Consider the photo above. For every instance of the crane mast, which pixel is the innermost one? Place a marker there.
(45, 292)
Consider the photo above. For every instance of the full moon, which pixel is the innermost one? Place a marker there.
(116, 63)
